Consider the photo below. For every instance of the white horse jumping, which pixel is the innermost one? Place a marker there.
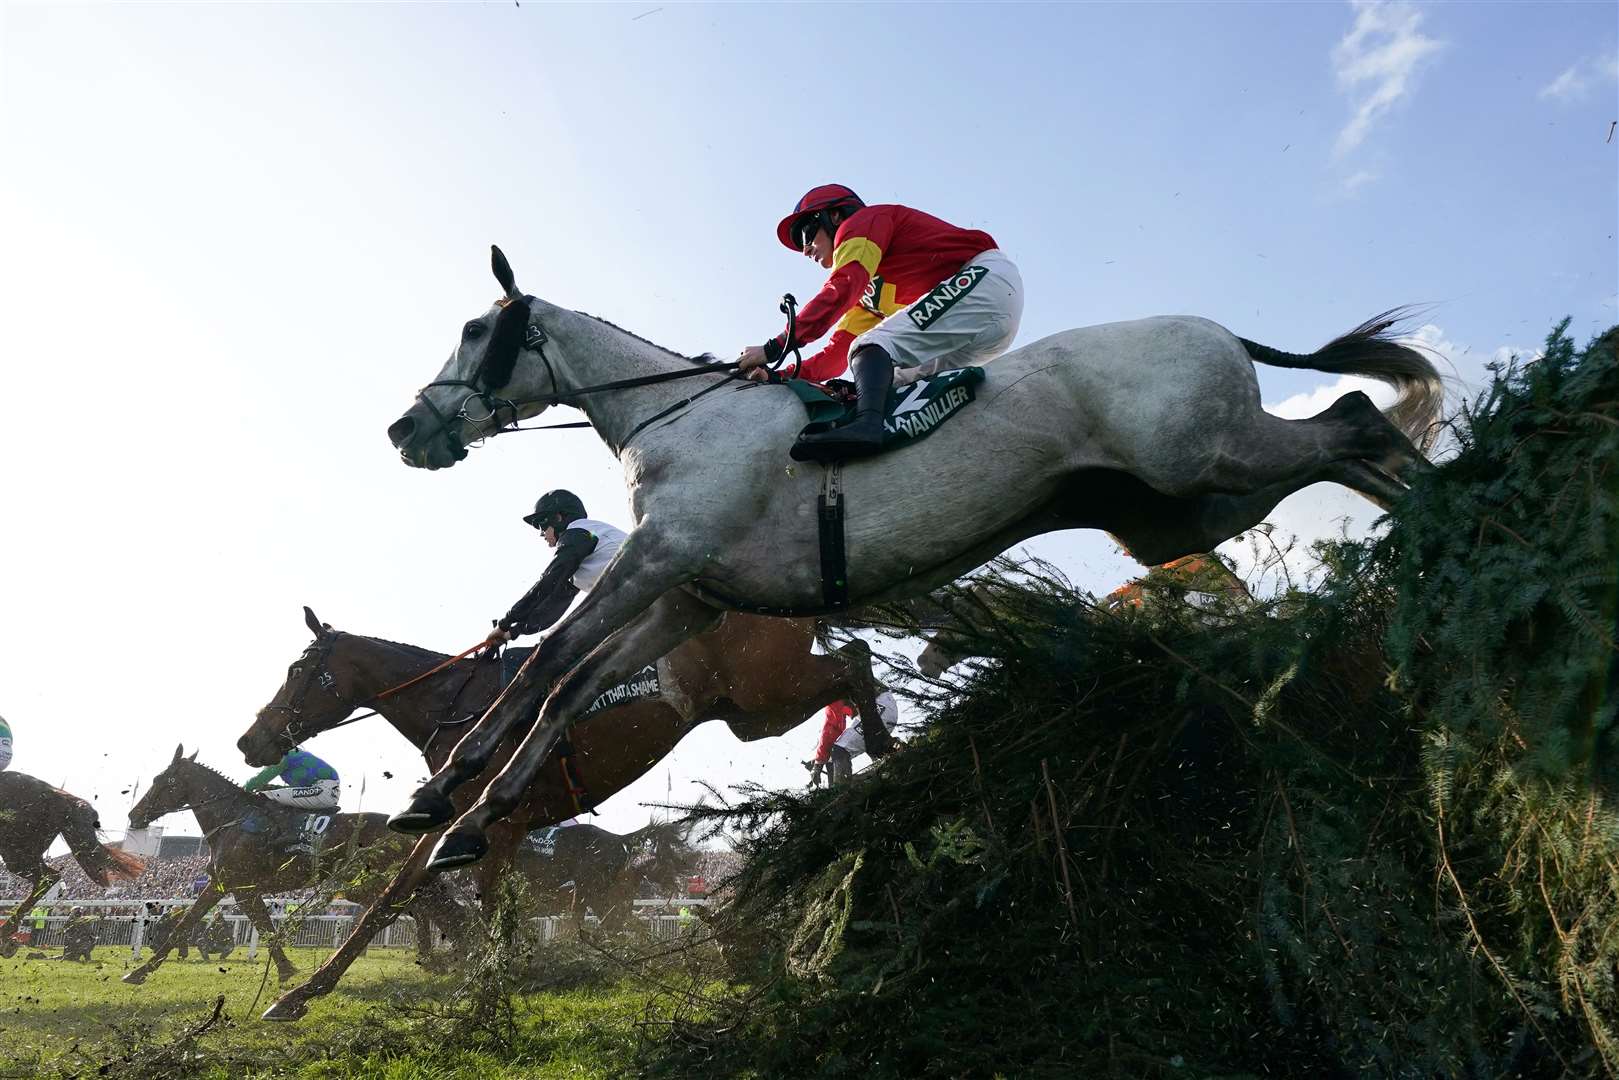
(1151, 430)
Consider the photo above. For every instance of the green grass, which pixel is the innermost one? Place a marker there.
(62, 1019)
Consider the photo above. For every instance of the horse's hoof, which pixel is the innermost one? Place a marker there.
(135, 978)
(459, 847)
(290, 973)
(285, 1011)
(424, 814)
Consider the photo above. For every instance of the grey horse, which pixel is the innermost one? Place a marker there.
(1151, 430)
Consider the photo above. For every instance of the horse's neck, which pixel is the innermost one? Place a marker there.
(214, 800)
(381, 666)
(592, 352)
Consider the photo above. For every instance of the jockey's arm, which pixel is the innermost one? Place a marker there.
(263, 778)
(861, 241)
(548, 600)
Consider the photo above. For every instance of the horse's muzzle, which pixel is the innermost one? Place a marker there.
(433, 449)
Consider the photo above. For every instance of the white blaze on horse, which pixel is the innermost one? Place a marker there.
(1152, 430)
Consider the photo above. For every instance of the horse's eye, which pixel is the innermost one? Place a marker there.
(473, 331)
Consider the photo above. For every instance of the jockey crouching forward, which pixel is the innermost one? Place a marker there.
(906, 288)
(583, 546)
(311, 784)
(841, 742)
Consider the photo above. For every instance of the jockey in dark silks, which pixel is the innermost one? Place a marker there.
(584, 547)
(311, 784)
(5, 744)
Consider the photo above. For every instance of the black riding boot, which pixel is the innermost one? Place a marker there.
(862, 436)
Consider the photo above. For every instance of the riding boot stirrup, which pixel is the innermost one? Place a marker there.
(862, 436)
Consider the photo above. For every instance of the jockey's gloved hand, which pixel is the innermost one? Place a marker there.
(815, 768)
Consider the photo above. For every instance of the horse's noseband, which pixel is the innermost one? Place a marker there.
(482, 390)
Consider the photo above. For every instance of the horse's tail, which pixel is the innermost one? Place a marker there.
(1371, 349)
(100, 863)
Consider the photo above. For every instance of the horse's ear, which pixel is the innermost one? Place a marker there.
(503, 271)
(313, 623)
(179, 752)
(194, 754)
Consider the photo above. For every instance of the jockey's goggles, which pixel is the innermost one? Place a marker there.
(805, 228)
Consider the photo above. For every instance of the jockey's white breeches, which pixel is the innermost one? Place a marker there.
(321, 795)
(968, 318)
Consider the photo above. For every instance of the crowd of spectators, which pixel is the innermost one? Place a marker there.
(164, 879)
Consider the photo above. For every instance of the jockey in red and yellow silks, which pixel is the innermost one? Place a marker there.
(906, 288)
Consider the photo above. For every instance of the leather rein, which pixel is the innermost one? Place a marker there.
(534, 339)
(318, 673)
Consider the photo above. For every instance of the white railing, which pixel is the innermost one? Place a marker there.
(127, 928)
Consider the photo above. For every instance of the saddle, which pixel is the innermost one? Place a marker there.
(912, 413)
(294, 831)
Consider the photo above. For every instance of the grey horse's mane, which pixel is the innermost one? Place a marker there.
(705, 358)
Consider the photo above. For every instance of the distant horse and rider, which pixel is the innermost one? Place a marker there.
(32, 815)
(257, 849)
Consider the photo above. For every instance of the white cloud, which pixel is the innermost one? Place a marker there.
(1575, 82)
(1376, 63)
(1568, 86)
(1356, 181)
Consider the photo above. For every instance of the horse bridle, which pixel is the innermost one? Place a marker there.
(534, 339)
(322, 647)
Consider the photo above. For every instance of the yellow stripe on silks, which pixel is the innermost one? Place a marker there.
(858, 249)
(858, 321)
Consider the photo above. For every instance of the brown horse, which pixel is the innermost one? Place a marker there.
(759, 675)
(32, 815)
(248, 858)
(583, 866)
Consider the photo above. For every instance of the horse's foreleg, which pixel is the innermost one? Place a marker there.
(383, 910)
(259, 916)
(44, 878)
(177, 933)
(619, 597)
(649, 635)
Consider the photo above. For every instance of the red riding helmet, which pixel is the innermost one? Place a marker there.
(825, 197)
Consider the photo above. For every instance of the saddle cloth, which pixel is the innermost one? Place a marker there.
(913, 412)
(643, 684)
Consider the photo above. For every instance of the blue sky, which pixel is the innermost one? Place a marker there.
(236, 237)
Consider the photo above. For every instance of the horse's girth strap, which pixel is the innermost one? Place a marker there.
(834, 557)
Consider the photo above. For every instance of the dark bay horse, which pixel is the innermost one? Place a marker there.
(582, 866)
(758, 675)
(253, 864)
(32, 815)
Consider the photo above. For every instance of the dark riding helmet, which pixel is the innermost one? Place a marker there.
(813, 206)
(553, 503)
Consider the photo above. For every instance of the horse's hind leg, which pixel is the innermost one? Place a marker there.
(1270, 453)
